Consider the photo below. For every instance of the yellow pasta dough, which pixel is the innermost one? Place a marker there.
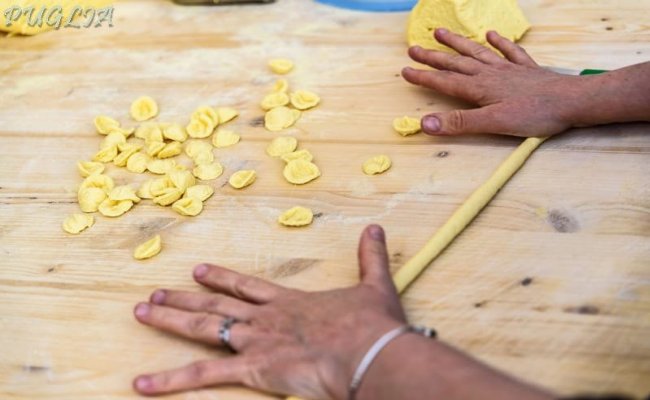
(159, 186)
(194, 148)
(114, 208)
(138, 162)
(112, 139)
(161, 166)
(90, 198)
(123, 192)
(304, 99)
(153, 148)
(243, 178)
(209, 171)
(168, 196)
(279, 118)
(275, 99)
(303, 154)
(300, 172)
(282, 145)
(226, 114)
(181, 179)
(148, 249)
(149, 132)
(100, 181)
(105, 124)
(174, 132)
(126, 151)
(87, 168)
(281, 85)
(144, 192)
(202, 122)
(171, 149)
(125, 132)
(106, 154)
(406, 125)
(188, 206)
(280, 65)
(200, 192)
(76, 223)
(296, 216)
(224, 138)
(376, 165)
(143, 108)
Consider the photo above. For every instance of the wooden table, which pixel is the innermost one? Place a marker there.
(551, 283)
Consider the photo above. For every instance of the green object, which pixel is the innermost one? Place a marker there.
(592, 71)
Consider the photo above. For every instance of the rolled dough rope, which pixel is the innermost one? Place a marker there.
(464, 214)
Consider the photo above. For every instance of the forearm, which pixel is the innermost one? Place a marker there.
(622, 95)
(415, 367)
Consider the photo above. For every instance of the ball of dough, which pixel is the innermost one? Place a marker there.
(241, 179)
(376, 165)
(296, 216)
(148, 249)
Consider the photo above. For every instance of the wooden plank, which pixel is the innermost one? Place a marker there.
(550, 283)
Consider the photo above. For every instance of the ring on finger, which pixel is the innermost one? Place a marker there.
(225, 331)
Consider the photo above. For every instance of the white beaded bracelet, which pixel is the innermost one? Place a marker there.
(377, 347)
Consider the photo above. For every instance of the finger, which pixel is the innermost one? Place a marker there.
(373, 259)
(445, 61)
(203, 327)
(467, 47)
(489, 119)
(214, 303)
(234, 284)
(447, 82)
(232, 370)
(512, 51)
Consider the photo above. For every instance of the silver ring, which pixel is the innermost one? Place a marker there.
(224, 332)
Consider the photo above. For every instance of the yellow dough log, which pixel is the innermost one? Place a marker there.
(464, 214)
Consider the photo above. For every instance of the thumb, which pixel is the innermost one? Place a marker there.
(373, 259)
(488, 119)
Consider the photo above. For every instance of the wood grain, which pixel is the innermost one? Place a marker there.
(550, 283)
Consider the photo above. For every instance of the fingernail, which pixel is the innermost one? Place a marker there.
(442, 31)
(143, 383)
(158, 296)
(142, 309)
(431, 124)
(200, 270)
(376, 232)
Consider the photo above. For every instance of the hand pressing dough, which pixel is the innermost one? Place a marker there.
(376, 165)
(296, 216)
(280, 146)
(406, 126)
(87, 168)
(90, 198)
(188, 206)
(303, 154)
(280, 118)
(226, 114)
(281, 85)
(171, 149)
(148, 249)
(105, 124)
(300, 172)
(138, 163)
(243, 178)
(304, 99)
(280, 65)
(275, 99)
(124, 192)
(76, 223)
(143, 108)
(224, 138)
(174, 132)
(465, 214)
(469, 18)
(200, 192)
(114, 208)
(207, 172)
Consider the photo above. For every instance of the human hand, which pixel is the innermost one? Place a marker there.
(287, 341)
(516, 96)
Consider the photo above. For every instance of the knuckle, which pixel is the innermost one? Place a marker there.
(479, 51)
(198, 371)
(213, 303)
(199, 323)
(456, 121)
(241, 286)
